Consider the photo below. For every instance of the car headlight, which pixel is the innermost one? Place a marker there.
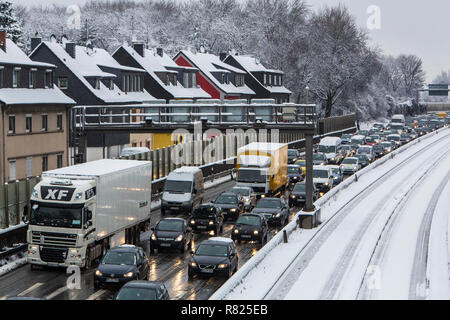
(293, 196)
(233, 210)
(332, 159)
(277, 215)
(256, 232)
(193, 264)
(325, 184)
(247, 200)
(236, 231)
(335, 178)
(35, 194)
(179, 238)
(192, 221)
(222, 266)
(98, 273)
(153, 237)
(129, 274)
(211, 223)
(263, 196)
(32, 250)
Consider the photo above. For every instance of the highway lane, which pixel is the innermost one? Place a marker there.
(169, 267)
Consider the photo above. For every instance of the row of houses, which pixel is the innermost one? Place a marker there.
(38, 90)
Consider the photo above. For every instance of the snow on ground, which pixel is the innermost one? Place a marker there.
(264, 274)
(12, 262)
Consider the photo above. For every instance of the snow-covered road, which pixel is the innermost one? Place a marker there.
(375, 242)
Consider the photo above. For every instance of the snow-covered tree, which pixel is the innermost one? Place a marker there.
(8, 21)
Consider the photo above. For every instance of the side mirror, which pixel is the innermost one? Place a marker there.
(24, 219)
(194, 191)
(152, 228)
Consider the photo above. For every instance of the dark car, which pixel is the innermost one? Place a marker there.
(346, 138)
(120, 265)
(295, 174)
(275, 210)
(378, 150)
(363, 160)
(320, 159)
(293, 155)
(338, 175)
(298, 195)
(346, 150)
(143, 290)
(248, 197)
(404, 138)
(171, 233)
(250, 227)
(215, 256)
(207, 217)
(231, 204)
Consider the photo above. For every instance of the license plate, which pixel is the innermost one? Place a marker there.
(246, 236)
(207, 270)
(112, 280)
(173, 208)
(201, 227)
(165, 244)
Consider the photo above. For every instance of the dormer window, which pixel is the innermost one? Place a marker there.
(32, 78)
(97, 83)
(48, 82)
(111, 84)
(16, 76)
(194, 79)
(265, 79)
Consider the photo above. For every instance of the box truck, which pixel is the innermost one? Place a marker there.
(263, 167)
(79, 212)
(330, 147)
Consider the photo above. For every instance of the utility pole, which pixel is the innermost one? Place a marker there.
(309, 140)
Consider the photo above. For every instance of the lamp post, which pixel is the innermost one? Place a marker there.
(309, 207)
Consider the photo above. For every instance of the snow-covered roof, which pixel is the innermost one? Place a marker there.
(96, 168)
(53, 95)
(14, 55)
(208, 63)
(251, 64)
(101, 57)
(330, 141)
(152, 63)
(261, 146)
(83, 67)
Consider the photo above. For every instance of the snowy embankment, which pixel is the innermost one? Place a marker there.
(261, 273)
(12, 262)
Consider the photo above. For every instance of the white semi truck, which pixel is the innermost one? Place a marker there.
(80, 211)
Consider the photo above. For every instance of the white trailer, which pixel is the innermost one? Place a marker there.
(80, 211)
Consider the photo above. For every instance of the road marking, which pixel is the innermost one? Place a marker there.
(97, 294)
(33, 287)
(56, 292)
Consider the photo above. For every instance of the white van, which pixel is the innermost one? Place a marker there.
(330, 147)
(368, 151)
(132, 151)
(398, 118)
(184, 189)
(323, 178)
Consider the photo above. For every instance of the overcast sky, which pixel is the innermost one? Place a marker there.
(406, 26)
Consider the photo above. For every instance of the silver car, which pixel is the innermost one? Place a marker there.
(248, 197)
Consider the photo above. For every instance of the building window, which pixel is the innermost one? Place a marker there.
(1, 77)
(32, 78)
(16, 75)
(265, 79)
(12, 124)
(63, 83)
(28, 123)
(44, 163)
(97, 84)
(59, 161)
(194, 80)
(111, 84)
(44, 122)
(48, 81)
(186, 80)
(12, 170)
(29, 164)
(59, 119)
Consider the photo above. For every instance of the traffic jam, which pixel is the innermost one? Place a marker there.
(209, 236)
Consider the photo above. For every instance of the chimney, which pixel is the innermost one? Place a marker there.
(70, 49)
(35, 41)
(222, 56)
(3, 40)
(160, 52)
(139, 48)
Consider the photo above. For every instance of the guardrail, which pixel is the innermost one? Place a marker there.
(239, 276)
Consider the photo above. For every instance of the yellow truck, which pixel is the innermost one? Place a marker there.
(263, 167)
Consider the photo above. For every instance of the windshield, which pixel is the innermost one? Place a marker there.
(178, 186)
(227, 199)
(292, 153)
(327, 149)
(55, 216)
(349, 161)
(294, 170)
(299, 187)
(242, 191)
(204, 212)
(357, 141)
(320, 173)
(362, 158)
(119, 258)
(215, 250)
(336, 171)
(136, 294)
(170, 225)
(249, 220)
(301, 163)
(394, 138)
(363, 150)
(269, 203)
(245, 175)
(346, 136)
